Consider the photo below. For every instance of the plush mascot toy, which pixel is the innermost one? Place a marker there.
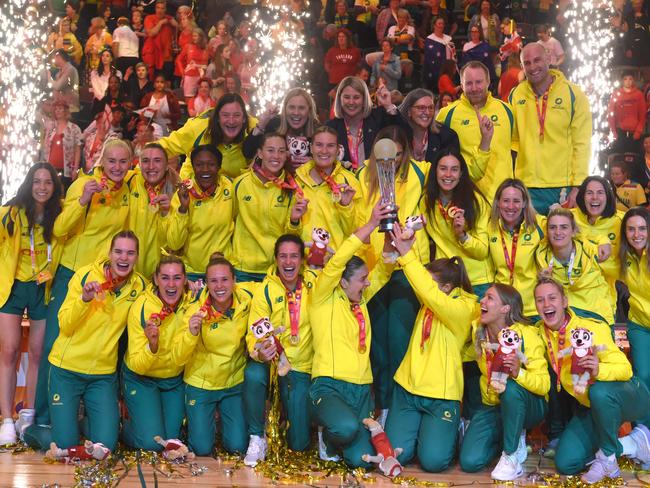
(90, 450)
(509, 345)
(581, 346)
(411, 225)
(263, 331)
(318, 248)
(386, 457)
(174, 449)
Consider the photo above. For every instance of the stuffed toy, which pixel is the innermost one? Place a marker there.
(509, 344)
(174, 449)
(263, 331)
(386, 457)
(581, 345)
(298, 150)
(318, 248)
(412, 224)
(90, 450)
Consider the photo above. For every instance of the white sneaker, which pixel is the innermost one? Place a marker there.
(601, 467)
(7, 432)
(25, 419)
(507, 469)
(383, 415)
(522, 449)
(256, 451)
(641, 437)
(322, 449)
(551, 447)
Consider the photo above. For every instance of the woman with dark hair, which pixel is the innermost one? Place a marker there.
(438, 47)
(202, 101)
(297, 120)
(386, 70)
(83, 360)
(342, 337)
(152, 382)
(427, 135)
(395, 307)
(477, 49)
(29, 258)
(201, 217)
(448, 72)
(513, 401)
(115, 95)
(489, 24)
(211, 347)
(441, 329)
(100, 76)
(342, 59)
(163, 104)
(356, 122)
(192, 62)
(267, 204)
(515, 231)
(224, 127)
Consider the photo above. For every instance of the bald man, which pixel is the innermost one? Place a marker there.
(553, 129)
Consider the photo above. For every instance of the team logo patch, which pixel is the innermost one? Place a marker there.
(494, 239)
(247, 198)
(527, 237)
(558, 101)
(494, 118)
(56, 397)
(280, 199)
(464, 122)
(191, 403)
(611, 236)
(226, 192)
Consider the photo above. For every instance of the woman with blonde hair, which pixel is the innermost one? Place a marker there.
(192, 62)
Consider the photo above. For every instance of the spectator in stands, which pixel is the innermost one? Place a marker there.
(99, 77)
(65, 39)
(366, 11)
(192, 62)
(637, 36)
(551, 44)
(644, 170)
(218, 35)
(65, 84)
(164, 105)
(126, 45)
(448, 73)
(627, 115)
(157, 50)
(72, 14)
(554, 144)
(387, 18)
(186, 27)
(511, 43)
(402, 35)
(107, 15)
(629, 193)
(61, 145)
(139, 85)
(99, 41)
(489, 24)
(115, 95)
(220, 65)
(386, 70)
(341, 60)
(137, 26)
(429, 16)
(437, 48)
(511, 77)
(202, 101)
(476, 49)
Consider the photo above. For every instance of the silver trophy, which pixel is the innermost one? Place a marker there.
(385, 151)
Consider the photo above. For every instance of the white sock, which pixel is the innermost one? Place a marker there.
(629, 446)
(8, 421)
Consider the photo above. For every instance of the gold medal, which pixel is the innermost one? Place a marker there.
(336, 197)
(153, 207)
(294, 340)
(43, 276)
(362, 348)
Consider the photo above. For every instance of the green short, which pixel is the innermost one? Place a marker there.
(26, 295)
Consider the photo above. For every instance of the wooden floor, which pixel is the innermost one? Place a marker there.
(29, 470)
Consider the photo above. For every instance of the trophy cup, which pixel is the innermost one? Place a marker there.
(385, 152)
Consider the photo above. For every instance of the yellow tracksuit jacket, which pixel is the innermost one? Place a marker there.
(525, 272)
(88, 229)
(409, 194)
(214, 359)
(15, 259)
(589, 290)
(487, 169)
(89, 332)
(637, 279)
(613, 365)
(561, 157)
(270, 300)
(533, 376)
(322, 211)
(450, 327)
(206, 227)
(474, 250)
(195, 133)
(138, 357)
(150, 226)
(262, 213)
(334, 327)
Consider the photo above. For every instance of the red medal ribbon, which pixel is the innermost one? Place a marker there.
(197, 193)
(353, 144)
(443, 210)
(152, 191)
(330, 181)
(293, 301)
(426, 327)
(358, 314)
(510, 258)
(111, 283)
(555, 364)
(105, 184)
(210, 312)
(541, 113)
(165, 311)
(287, 184)
(489, 357)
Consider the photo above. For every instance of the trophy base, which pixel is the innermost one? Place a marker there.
(387, 225)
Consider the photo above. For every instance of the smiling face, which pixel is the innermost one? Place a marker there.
(636, 233)
(439, 27)
(273, 155)
(535, 61)
(42, 186)
(354, 286)
(153, 165)
(475, 34)
(289, 261)
(231, 120)
(324, 150)
(511, 206)
(116, 162)
(123, 256)
(220, 282)
(448, 173)
(170, 280)
(204, 89)
(551, 305)
(493, 310)
(421, 112)
(60, 112)
(351, 102)
(595, 198)
(475, 85)
(206, 169)
(297, 112)
(560, 232)
(617, 175)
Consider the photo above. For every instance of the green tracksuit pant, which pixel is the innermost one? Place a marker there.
(639, 337)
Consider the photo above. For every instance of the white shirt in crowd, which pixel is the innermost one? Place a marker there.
(128, 43)
(554, 49)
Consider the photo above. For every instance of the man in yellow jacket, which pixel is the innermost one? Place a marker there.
(484, 125)
(552, 135)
